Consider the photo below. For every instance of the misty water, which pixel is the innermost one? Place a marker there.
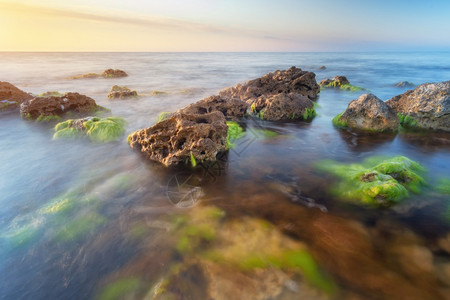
(77, 217)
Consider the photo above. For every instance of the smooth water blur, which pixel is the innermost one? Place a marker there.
(68, 207)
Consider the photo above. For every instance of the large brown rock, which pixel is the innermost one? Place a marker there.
(173, 141)
(11, 97)
(293, 80)
(233, 108)
(369, 113)
(283, 107)
(57, 106)
(428, 104)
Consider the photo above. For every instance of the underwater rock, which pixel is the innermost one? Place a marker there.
(293, 80)
(54, 106)
(283, 107)
(368, 113)
(96, 129)
(11, 97)
(121, 92)
(428, 105)
(375, 182)
(232, 109)
(114, 73)
(403, 84)
(183, 138)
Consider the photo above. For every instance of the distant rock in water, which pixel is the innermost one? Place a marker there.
(322, 68)
(121, 92)
(293, 80)
(109, 73)
(232, 109)
(403, 84)
(183, 138)
(428, 105)
(335, 81)
(11, 97)
(368, 113)
(284, 107)
(86, 76)
(46, 108)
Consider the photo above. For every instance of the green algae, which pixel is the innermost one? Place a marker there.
(376, 182)
(235, 132)
(80, 226)
(309, 114)
(193, 161)
(120, 289)
(407, 122)
(265, 133)
(51, 118)
(344, 87)
(163, 116)
(50, 94)
(337, 122)
(443, 186)
(159, 93)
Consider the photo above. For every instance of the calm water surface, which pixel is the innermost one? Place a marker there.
(76, 216)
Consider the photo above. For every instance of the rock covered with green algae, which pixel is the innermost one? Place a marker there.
(121, 92)
(368, 113)
(232, 109)
(11, 97)
(235, 132)
(340, 82)
(376, 182)
(102, 130)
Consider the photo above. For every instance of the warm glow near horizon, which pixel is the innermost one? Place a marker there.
(175, 25)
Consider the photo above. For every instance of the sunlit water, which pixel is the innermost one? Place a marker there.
(101, 193)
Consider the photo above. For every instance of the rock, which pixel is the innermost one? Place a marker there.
(293, 80)
(88, 75)
(335, 82)
(183, 138)
(403, 84)
(41, 107)
(322, 68)
(283, 107)
(121, 92)
(114, 73)
(428, 105)
(11, 97)
(368, 113)
(232, 109)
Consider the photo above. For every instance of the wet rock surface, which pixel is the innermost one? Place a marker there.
(428, 105)
(233, 109)
(114, 73)
(57, 106)
(293, 80)
(183, 137)
(368, 113)
(11, 97)
(335, 81)
(121, 92)
(283, 107)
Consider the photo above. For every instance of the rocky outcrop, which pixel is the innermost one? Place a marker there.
(114, 73)
(402, 84)
(289, 81)
(40, 107)
(283, 107)
(368, 113)
(428, 105)
(336, 81)
(121, 92)
(232, 109)
(11, 97)
(183, 138)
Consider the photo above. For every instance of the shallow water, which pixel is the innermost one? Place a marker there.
(76, 216)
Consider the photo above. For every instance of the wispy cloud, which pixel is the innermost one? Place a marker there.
(146, 21)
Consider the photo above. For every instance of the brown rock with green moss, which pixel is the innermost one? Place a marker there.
(11, 97)
(232, 109)
(114, 73)
(121, 92)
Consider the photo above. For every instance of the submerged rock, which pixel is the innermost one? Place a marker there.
(114, 73)
(232, 109)
(121, 92)
(42, 108)
(96, 129)
(368, 113)
(293, 80)
(340, 82)
(284, 107)
(11, 97)
(376, 182)
(183, 138)
(428, 105)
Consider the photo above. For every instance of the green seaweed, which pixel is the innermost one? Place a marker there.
(158, 93)
(80, 226)
(235, 132)
(43, 118)
(344, 87)
(261, 114)
(337, 122)
(120, 289)
(407, 122)
(96, 129)
(193, 161)
(443, 186)
(375, 182)
(309, 113)
(50, 94)
(164, 116)
(265, 133)
(253, 108)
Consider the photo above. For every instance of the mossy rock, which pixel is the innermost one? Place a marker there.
(376, 182)
(50, 94)
(163, 116)
(407, 122)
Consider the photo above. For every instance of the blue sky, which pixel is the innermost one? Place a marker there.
(200, 25)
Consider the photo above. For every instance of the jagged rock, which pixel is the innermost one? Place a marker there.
(337, 81)
(11, 97)
(114, 73)
(404, 84)
(293, 80)
(283, 107)
(232, 109)
(121, 92)
(183, 137)
(428, 105)
(368, 113)
(39, 107)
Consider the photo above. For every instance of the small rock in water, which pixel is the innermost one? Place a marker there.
(402, 84)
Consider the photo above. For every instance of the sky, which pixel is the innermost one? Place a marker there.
(224, 25)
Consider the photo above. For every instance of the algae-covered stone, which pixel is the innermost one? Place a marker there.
(340, 82)
(96, 129)
(121, 92)
(377, 182)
